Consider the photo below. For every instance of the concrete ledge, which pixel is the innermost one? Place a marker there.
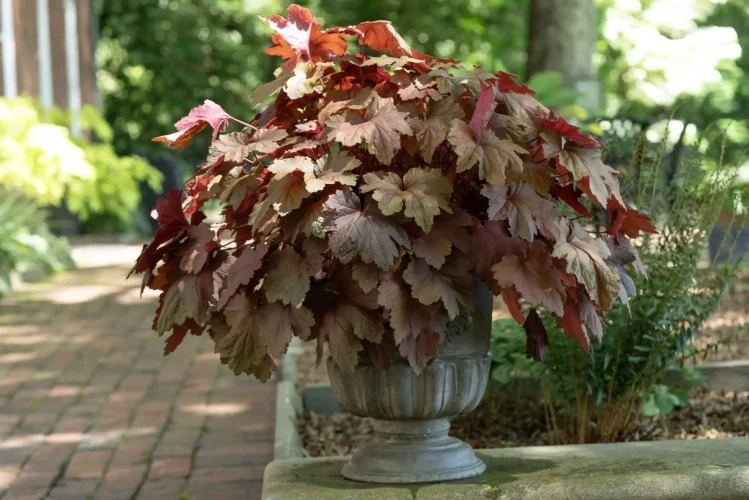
(719, 376)
(665, 470)
(287, 443)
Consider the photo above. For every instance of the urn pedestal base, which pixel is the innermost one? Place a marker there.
(411, 407)
(413, 451)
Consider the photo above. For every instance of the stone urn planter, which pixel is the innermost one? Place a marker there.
(411, 443)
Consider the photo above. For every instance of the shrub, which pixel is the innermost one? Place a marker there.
(42, 162)
(594, 396)
(26, 243)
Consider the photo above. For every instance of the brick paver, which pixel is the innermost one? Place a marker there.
(90, 408)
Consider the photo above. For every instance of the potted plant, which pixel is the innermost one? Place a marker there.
(376, 204)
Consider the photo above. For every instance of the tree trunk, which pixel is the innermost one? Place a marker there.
(562, 38)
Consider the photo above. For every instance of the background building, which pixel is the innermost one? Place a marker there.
(47, 51)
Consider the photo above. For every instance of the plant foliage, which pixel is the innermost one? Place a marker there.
(42, 162)
(154, 56)
(594, 397)
(361, 201)
(26, 244)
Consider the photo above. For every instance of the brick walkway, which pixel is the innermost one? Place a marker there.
(90, 408)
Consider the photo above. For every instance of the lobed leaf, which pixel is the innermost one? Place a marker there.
(237, 146)
(422, 191)
(242, 270)
(361, 233)
(381, 127)
(450, 284)
(448, 231)
(585, 258)
(432, 131)
(532, 275)
(523, 208)
(494, 156)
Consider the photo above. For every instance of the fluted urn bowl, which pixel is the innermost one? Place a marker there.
(411, 442)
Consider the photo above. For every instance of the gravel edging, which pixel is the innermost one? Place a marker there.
(508, 423)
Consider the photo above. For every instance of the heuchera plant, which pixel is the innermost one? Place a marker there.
(359, 205)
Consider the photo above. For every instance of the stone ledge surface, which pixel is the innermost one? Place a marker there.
(663, 470)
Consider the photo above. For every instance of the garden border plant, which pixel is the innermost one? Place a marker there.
(595, 397)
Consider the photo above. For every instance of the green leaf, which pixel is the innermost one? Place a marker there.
(650, 408)
(501, 374)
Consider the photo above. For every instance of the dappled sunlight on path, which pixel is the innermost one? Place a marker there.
(90, 408)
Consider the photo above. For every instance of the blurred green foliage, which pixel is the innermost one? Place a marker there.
(508, 352)
(41, 161)
(26, 243)
(489, 33)
(160, 58)
(43, 167)
(638, 86)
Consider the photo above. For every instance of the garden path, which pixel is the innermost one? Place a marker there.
(90, 408)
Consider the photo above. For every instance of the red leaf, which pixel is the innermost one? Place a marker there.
(571, 197)
(532, 276)
(242, 270)
(490, 242)
(556, 122)
(179, 333)
(294, 31)
(418, 350)
(572, 325)
(195, 252)
(628, 221)
(169, 211)
(512, 300)
(536, 338)
(197, 185)
(506, 83)
(325, 46)
(381, 36)
(197, 217)
(209, 113)
(161, 280)
(280, 47)
(425, 68)
(172, 221)
(299, 36)
(366, 233)
(158, 312)
(181, 139)
(484, 110)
